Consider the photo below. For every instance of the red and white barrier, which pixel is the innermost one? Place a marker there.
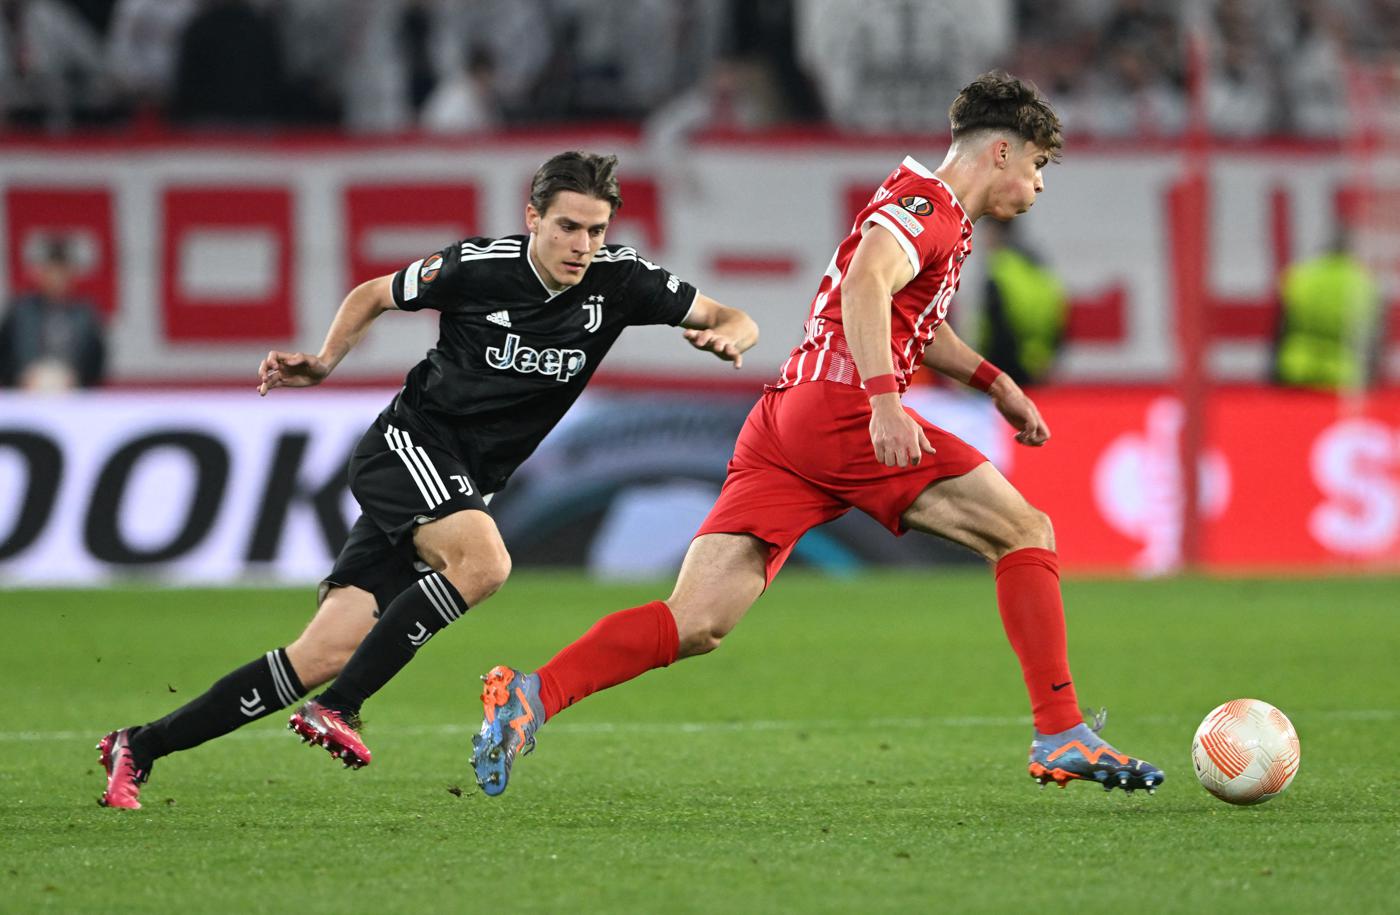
(207, 253)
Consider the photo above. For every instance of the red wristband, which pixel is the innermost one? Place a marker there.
(984, 376)
(882, 384)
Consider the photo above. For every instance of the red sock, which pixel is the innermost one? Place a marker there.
(620, 646)
(1028, 595)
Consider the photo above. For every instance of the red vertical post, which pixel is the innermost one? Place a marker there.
(1188, 212)
(1186, 208)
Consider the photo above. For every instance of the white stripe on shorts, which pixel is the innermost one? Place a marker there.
(395, 439)
(392, 439)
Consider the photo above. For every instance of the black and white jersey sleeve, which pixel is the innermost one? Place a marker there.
(443, 280)
(654, 294)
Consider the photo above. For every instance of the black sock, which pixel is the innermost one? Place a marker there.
(253, 691)
(412, 618)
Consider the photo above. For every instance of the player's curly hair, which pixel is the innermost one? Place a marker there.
(999, 101)
(585, 173)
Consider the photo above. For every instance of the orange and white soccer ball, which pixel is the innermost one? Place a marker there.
(1245, 752)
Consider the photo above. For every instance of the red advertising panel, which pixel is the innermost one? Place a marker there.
(227, 270)
(391, 225)
(1315, 480)
(1288, 480)
(1107, 477)
(81, 217)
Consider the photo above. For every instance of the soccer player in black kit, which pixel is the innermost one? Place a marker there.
(525, 320)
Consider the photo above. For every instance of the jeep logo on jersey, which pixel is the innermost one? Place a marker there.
(563, 364)
(429, 271)
(919, 206)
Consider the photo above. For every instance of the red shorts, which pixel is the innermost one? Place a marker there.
(804, 458)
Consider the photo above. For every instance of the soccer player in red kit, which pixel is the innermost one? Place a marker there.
(832, 435)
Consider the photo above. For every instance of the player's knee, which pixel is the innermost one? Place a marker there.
(1032, 529)
(701, 635)
(480, 577)
(700, 641)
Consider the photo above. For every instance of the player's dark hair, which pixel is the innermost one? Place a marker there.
(1000, 101)
(584, 173)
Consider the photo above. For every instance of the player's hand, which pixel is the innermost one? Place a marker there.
(712, 341)
(1021, 412)
(898, 439)
(290, 370)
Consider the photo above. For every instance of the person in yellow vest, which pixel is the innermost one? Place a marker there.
(1025, 309)
(1327, 332)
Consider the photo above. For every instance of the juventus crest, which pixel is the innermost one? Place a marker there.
(594, 307)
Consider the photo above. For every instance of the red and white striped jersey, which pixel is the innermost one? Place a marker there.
(930, 225)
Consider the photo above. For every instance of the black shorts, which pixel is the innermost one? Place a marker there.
(401, 479)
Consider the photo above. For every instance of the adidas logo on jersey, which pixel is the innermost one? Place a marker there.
(501, 317)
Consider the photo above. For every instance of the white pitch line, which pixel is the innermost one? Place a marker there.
(713, 727)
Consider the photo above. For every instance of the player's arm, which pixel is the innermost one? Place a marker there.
(949, 355)
(880, 268)
(715, 328)
(365, 302)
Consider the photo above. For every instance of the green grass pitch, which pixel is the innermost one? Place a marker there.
(856, 745)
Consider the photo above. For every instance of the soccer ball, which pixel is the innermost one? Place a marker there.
(1245, 752)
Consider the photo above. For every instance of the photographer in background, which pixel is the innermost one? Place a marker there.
(51, 339)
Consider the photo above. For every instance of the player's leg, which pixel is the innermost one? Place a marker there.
(427, 550)
(469, 563)
(721, 577)
(762, 510)
(270, 682)
(983, 511)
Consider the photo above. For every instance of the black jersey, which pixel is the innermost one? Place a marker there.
(512, 356)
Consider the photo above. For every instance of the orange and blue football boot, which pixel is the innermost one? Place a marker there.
(322, 725)
(513, 712)
(1081, 754)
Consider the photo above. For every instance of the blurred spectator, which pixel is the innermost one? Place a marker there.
(1136, 86)
(229, 68)
(1128, 97)
(51, 64)
(1316, 73)
(1112, 67)
(1149, 29)
(1329, 320)
(313, 70)
(764, 33)
(445, 64)
(97, 13)
(889, 65)
(374, 74)
(1243, 87)
(50, 339)
(466, 101)
(521, 37)
(737, 95)
(624, 55)
(1025, 308)
(141, 49)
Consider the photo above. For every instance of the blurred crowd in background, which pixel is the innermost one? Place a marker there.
(1115, 68)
